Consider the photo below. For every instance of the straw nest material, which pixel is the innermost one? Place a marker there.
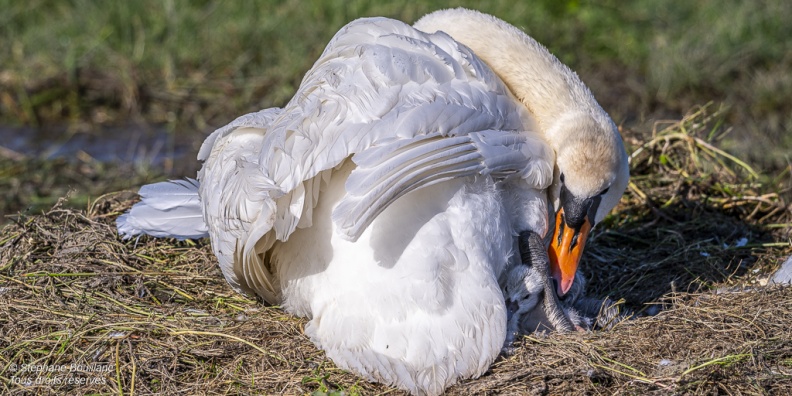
(687, 251)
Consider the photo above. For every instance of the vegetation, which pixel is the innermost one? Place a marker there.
(159, 314)
(196, 65)
(77, 66)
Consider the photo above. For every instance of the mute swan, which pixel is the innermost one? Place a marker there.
(385, 200)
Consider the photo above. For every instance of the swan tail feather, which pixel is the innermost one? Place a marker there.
(170, 209)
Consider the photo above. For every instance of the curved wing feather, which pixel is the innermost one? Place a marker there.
(411, 109)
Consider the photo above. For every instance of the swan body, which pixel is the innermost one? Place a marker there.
(384, 201)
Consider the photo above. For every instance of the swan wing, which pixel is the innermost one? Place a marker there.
(387, 172)
(260, 120)
(382, 92)
(230, 182)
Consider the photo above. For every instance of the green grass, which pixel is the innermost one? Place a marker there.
(203, 62)
(193, 66)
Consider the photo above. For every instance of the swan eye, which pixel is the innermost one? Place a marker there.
(562, 178)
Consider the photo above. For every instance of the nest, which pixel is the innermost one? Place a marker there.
(687, 251)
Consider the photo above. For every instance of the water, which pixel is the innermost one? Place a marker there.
(135, 145)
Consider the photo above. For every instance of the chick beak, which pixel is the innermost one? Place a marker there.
(565, 250)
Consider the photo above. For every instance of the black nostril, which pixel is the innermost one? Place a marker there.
(574, 242)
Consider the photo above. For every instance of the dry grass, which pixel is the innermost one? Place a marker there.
(160, 316)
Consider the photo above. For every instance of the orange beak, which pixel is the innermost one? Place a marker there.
(565, 251)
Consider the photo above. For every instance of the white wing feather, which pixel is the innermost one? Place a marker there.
(167, 209)
(387, 172)
(413, 109)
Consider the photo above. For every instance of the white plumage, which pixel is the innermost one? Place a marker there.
(384, 200)
(170, 209)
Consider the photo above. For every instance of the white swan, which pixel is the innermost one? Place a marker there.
(384, 200)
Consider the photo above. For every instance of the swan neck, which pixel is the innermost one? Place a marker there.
(547, 87)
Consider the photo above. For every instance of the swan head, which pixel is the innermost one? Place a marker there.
(591, 163)
(522, 283)
(591, 175)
